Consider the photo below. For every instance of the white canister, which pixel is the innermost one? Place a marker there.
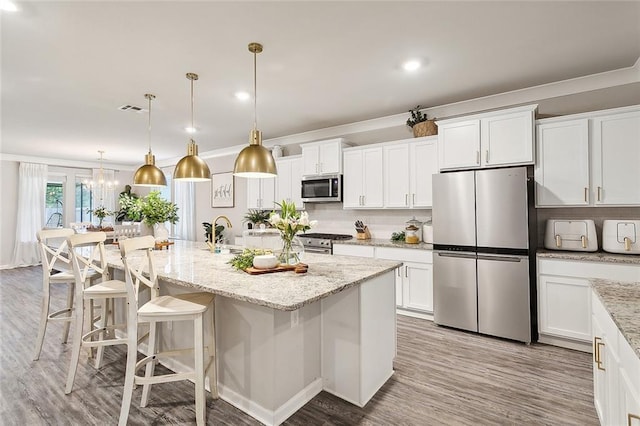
(276, 151)
(427, 232)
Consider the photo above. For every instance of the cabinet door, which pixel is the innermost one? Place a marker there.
(562, 167)
(615, 159)
(599, 374)
(372, 180)
(564, 307)
(418, 286)
(423, 164)
(310, 160)
(268, 194)
(296, 182)
(396, 176)
(253, 193)
(352, 179)
(459, 145)
(283, 181)
(629, 391)
(330, 156)
(507, 139)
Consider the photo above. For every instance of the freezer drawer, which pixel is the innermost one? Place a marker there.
(454, 290)
(503, 297)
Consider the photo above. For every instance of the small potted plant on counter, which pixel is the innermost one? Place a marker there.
(420, 124)
(255, 218)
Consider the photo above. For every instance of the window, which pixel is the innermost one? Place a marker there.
(84, 200)
(54, 207)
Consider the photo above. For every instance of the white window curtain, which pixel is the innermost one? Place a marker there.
(185, 228)
(32, 185)
(104, 194)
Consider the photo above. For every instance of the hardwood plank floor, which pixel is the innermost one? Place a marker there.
(443, 377)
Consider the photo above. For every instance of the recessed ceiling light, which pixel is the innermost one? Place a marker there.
(191, 129)
(411, 65)
(243, 96)
(8, 6)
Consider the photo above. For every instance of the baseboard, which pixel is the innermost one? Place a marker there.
(566, 343)
(264, 415)
(358, 403)
(414, 314)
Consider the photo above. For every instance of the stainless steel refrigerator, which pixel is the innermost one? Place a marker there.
(483, 229)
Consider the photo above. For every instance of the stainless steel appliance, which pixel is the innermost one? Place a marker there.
(322, 189)
(321, 243)
(484, 265)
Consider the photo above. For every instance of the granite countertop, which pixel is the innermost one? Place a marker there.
(380, 242)
(191, 264)
(598, 256)
(622, 301)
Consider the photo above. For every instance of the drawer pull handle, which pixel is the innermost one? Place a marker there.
(558, 241)
(583, 238)
(586, 195)
(627, 243)
(599, 193)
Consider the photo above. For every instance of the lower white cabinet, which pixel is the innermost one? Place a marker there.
(616, 372)
(564, 298)
(414, 279)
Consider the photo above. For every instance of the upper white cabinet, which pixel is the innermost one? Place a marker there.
(288, 183)
(589, 159)
(322, 158)
(362, 180)
(408, 169)
(616, 159)
(261, 193)
(499, 138)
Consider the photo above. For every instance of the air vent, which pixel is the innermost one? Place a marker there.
(132, 108)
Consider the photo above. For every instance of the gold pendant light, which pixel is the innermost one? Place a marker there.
(149, 174)
(255, 161)
(192, 168)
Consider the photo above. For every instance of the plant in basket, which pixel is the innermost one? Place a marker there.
(421, 124)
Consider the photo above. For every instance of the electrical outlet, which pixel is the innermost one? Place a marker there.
(295, 316)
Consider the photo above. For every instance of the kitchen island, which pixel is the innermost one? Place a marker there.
(284, 337)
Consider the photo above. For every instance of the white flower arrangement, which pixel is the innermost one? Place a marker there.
(289, 222)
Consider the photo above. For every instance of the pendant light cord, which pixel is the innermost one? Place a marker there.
(192, 104)
(255, 92)
(149, 127)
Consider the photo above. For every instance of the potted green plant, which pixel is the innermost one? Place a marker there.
(130, 206)
(156, 211)
(207, 232)
(101, 213)
(421, 124)
(257, 217)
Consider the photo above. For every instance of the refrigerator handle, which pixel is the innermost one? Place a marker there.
(500, 258)
(464, 256)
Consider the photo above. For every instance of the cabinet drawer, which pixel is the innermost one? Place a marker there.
(404, 255)
(602, 270)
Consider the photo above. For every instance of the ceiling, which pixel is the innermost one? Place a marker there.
(68, 66)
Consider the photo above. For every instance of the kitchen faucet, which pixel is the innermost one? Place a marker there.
(213, 230)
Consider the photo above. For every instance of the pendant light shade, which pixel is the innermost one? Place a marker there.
(192, 168)
(149, 174)
(255, 161)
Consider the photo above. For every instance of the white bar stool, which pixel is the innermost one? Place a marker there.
(88, 257)
(55, 270)
(137, 256)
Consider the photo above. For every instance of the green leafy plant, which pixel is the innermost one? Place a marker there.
(207, 232)
(398, 236)
(101, 213)
(158, 210)
(244, 260)
(257, 217)
(416, 117)
(130, 206)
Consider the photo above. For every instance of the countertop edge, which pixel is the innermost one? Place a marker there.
(381, 242)
(599, 256)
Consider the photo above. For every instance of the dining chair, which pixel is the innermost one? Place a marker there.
(124, 231)
(137, 257)
(79, 227)
(56, 269)
(88, 256)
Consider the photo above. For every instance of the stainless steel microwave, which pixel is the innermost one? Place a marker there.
(322, 189)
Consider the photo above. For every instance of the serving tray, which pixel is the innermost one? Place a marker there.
(298, 268)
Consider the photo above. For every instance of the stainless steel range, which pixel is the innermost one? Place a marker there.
(321, 243)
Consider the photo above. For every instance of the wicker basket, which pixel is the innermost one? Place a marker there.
(425, 128)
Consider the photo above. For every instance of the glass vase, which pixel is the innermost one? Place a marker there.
(292, 251)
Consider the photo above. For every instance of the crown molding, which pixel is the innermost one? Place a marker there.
(76, 164)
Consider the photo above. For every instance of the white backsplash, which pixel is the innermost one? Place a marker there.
(382, 223)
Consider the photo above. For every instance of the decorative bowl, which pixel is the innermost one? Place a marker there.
(265, 261)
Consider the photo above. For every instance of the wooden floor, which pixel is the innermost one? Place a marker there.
(443, 377)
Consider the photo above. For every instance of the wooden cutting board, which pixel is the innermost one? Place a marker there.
(301, 267)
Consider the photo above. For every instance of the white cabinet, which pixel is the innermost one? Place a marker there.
(616, 371)
(500, 138)
(562, 166)
(321, 158)
(408, 169)
(362, 179)
(589, 159)
(414, 279)
(616, 159)
(261, 194)
(564, 298)
(288, 183)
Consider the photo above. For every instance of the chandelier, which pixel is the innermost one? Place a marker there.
(100, 185)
